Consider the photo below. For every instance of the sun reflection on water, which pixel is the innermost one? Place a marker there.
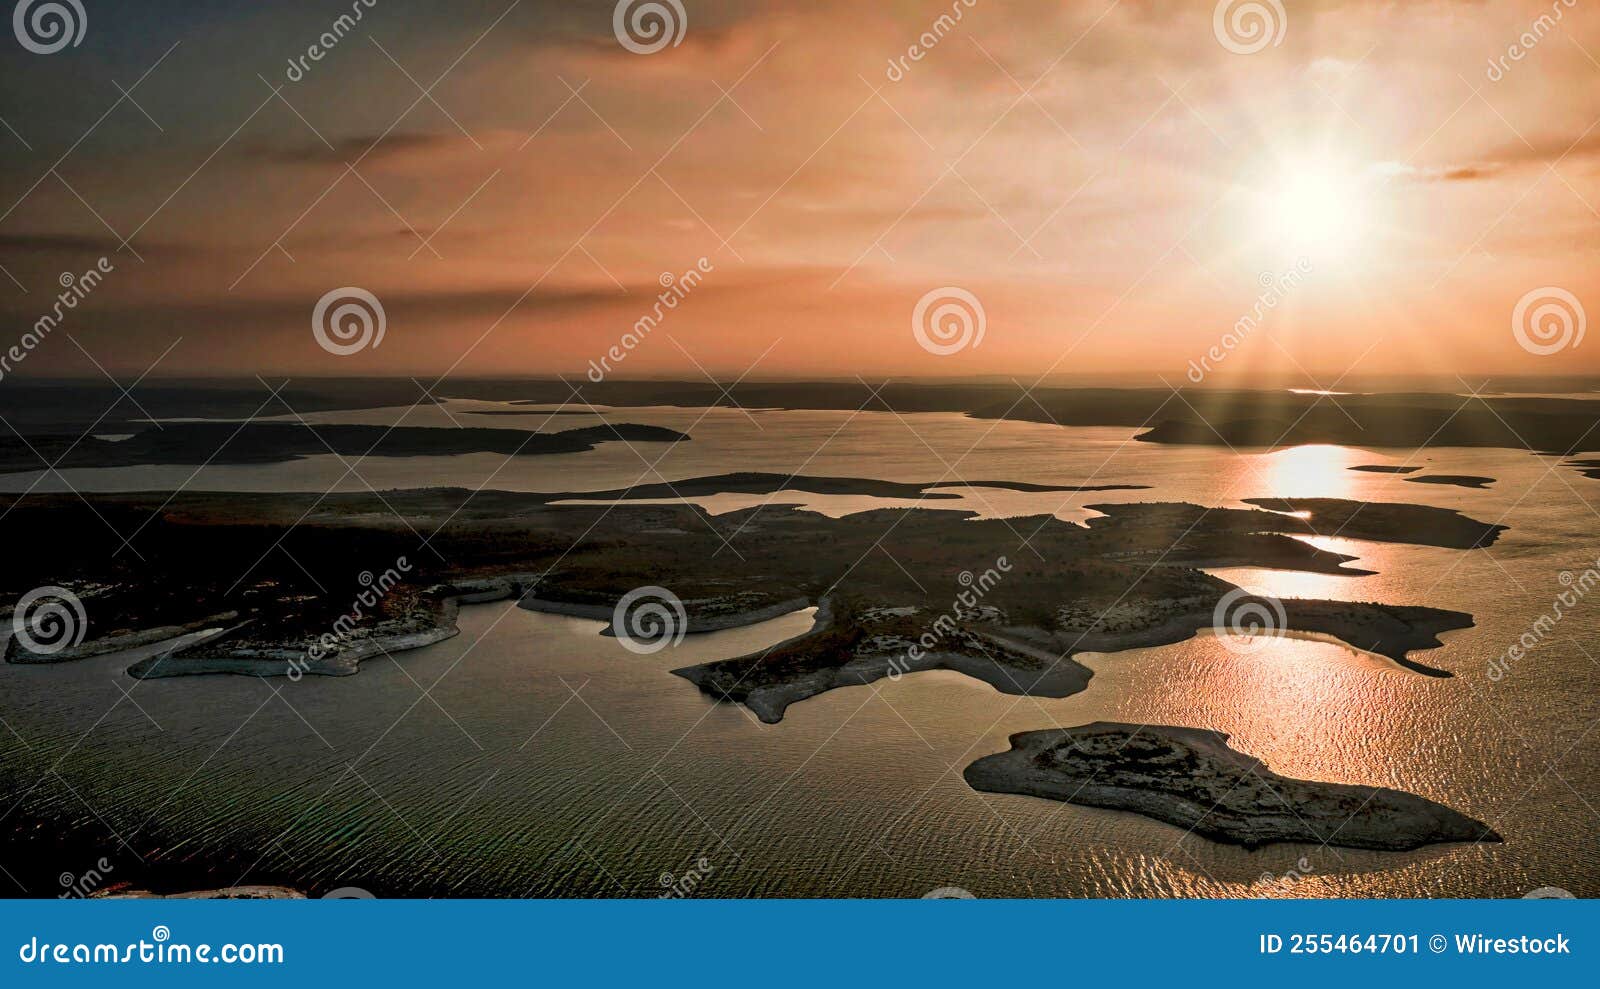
(1315, 471)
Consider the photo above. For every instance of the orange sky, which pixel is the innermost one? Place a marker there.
(1109, 180)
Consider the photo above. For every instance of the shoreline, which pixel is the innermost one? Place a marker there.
(15, 653)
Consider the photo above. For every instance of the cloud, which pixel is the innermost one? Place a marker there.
(1448, 173)
(1522, 155)
(399, 149)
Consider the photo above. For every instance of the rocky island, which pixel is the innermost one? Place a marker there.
(1191, 779)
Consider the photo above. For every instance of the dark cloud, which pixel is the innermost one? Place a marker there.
(1522, 155)
(389, 149)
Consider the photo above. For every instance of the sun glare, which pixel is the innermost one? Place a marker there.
(1314, 207)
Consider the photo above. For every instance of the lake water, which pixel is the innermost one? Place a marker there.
(533, 756)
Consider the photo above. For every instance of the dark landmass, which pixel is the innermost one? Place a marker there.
(276, 442)
(1458, 480)
(1191, 779)
(1176, 534)
(1264, 419)
(1026, 654)
(758, 483)
(1039, 488)
(35, 407)
(1384, 469)
(1588, 468)
(1211, 417)
(1421, 525)
(290, 576)
(531, 412)
(293, 566)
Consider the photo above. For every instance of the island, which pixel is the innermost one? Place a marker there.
(1385, 469)
(530, 413)
(1192, 779)
(254, 442)
(1423, 525)
(1458, 480)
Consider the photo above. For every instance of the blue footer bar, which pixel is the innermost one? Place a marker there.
(712, 943)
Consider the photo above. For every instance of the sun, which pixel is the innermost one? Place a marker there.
(1317, 207)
